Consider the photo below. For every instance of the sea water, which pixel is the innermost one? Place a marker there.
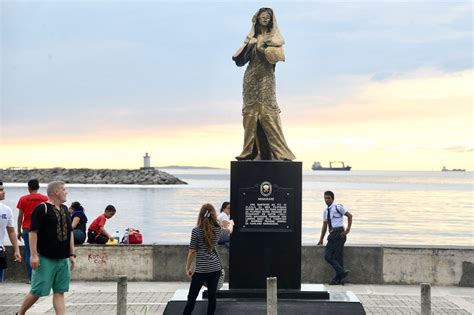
(389, 207)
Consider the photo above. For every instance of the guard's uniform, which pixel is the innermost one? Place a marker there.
(334, 216)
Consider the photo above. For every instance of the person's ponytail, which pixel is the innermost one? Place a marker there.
(207, 220)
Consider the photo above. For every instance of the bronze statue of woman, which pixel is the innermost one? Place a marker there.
(262, 49)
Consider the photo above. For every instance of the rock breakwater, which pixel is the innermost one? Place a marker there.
(143, 176)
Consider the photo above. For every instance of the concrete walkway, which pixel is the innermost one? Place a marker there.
(151, 298)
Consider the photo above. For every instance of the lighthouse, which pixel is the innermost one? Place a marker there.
(146, 161)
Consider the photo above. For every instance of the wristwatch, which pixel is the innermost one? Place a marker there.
(73, 255)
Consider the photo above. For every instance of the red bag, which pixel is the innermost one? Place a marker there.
(135, 238)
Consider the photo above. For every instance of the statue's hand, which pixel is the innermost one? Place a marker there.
(253, 41)
(268, 42)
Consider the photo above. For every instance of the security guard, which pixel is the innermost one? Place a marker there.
(333, 218)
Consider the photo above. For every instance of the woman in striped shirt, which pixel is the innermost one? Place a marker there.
(208, 268)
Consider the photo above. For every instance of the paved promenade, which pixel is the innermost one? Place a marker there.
(151, 297)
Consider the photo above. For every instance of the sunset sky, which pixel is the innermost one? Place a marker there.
(381, 85)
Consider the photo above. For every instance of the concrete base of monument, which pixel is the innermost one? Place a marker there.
(311, 299)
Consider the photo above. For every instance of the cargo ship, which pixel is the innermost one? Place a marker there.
(317, 166)
(444, 169)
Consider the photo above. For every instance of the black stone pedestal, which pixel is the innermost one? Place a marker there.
(265, 202)
(262, 294)
(266, 242)
(304, 303)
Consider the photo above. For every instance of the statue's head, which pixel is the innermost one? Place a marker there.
(264, 19)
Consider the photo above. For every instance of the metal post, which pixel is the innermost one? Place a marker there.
(425, 299)
(122, 295)
(272, 308)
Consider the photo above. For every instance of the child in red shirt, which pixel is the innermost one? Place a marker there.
(97, 233)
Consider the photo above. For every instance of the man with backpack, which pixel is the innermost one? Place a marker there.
(6, 227)
(333, 218)
(52, 250)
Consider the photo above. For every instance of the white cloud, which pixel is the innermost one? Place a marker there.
(395, 21)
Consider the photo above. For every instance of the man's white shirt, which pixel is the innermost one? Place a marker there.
(6, 219)
(337, 218)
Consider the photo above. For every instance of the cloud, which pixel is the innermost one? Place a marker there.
(360, 77)
(416, 96)
(385, 76)
(400, 21)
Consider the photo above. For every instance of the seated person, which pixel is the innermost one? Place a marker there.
(97, 233)
(223, 218)
(79, 220)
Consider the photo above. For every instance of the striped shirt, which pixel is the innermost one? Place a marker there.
(206, 261)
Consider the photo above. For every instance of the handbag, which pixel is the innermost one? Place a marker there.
(135, 238)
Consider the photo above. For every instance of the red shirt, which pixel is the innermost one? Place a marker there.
(98, 223)
(27, 204)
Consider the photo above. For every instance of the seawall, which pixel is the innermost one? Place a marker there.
(143, 176)
(438, 265)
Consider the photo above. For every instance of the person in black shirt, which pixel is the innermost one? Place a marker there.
(79, 220)
(52, 250)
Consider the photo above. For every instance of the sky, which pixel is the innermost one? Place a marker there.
(381, 85)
